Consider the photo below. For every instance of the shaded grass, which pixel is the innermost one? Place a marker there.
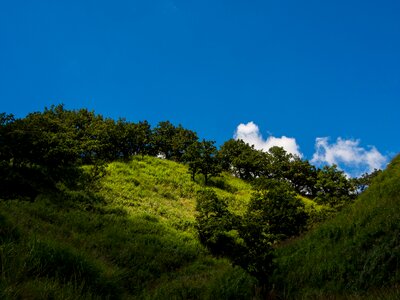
(205, 279)
(133, 238)
(356, 251)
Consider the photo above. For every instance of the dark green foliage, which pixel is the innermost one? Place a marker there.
(361, 183)
(201, 158)
(278, 163)
(124, 139)
(255, 253)
(192, 158)
(182, 139)
(214, 223)
(6, 122)
(45, 148)
(328, 185)
(219, 231)
(241, 159)
(171, 141)
(162, 138)
(96, 236)
(333, 188)
(42, 150)
(273, 214)
(302, 176)
(142, 139)
(357, 251)
(281, 165)
(275, 205)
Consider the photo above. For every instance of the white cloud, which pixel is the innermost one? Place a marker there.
(348, 155)
(250, 133)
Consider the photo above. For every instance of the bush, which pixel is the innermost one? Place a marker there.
(214, 223)
(276, 205)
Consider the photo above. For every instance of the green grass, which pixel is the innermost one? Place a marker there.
(134, 238)
(356, 251)
(317, 212)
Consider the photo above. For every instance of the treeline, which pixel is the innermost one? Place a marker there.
(45, 148)
(45, 152)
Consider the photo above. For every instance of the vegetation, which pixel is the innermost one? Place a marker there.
(133, 238)
(95, 208)
(273, 214)
(355, 252)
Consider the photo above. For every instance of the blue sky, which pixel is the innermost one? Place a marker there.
(300, 69)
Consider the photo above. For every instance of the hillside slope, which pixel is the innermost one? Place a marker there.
(357, 252)
(133, 238)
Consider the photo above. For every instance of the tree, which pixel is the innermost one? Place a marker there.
(202, 159)
(181, 140)
(245, 241)
(192, 157)
(6, 121)
(42, 150)
(142, 138)
(275, 203)
(277, 163)
(361, 183)
(162, 139)
(46, 139)
(241, 159)
(302, 176)
(256, 252)
(333, 187)
(273, 214)
(92, 134)
(214, 223)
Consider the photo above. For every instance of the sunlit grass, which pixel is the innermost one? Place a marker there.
(133, 238)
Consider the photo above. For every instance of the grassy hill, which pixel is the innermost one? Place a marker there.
(133, 238)
(355, 255)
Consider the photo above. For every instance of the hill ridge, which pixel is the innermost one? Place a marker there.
(356, 251)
